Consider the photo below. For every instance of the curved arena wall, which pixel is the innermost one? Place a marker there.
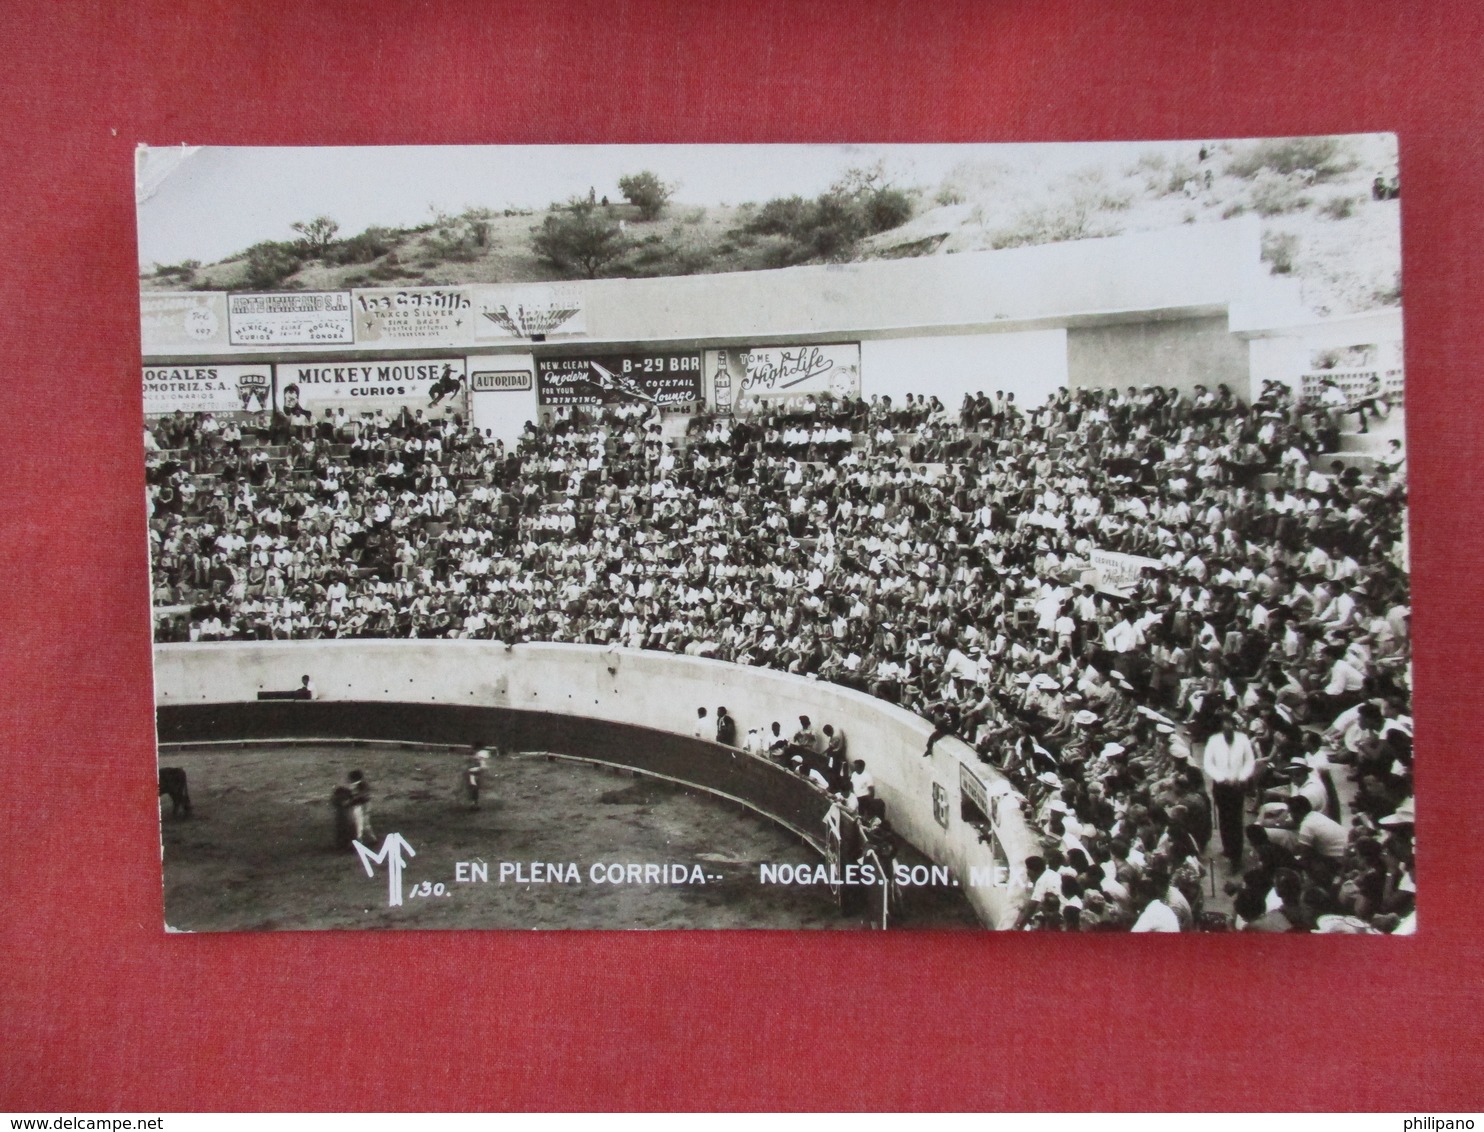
(448, 691)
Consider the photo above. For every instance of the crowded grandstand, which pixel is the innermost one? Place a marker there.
(1246, 694)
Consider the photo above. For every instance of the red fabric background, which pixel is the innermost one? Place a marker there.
(99, 1009)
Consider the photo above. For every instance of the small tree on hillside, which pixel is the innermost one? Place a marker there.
(269, 264)
(579, 237)
(862, 203)
(647, 193)
(879, 205)
(316, 235)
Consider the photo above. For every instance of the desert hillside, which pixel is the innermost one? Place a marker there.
(1323, 225)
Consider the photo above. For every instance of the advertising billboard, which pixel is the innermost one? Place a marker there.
(534, 311)
(414, 316)
(182, 321)
(207, 389)
(295, 318)
(655, 379)
(433, 386)
(746, 379)
(499, 380)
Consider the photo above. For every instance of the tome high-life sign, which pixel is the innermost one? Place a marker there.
(656, 379)
(743, 380)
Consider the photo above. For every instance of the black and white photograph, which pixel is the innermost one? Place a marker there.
(952, 537)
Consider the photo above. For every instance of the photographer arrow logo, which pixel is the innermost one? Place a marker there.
(390, 854)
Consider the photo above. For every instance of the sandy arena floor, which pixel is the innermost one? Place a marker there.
(258, 853)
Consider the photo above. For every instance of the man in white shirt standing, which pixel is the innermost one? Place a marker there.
(1230, 763)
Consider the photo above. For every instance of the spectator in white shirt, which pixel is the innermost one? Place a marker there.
(1230, 763)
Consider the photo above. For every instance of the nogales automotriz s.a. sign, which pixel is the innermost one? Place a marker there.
(207, 389)
(292, 319)
(655, 379)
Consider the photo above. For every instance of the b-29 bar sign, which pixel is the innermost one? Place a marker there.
(655, 379)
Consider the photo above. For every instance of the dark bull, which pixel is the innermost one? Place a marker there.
(173, 782)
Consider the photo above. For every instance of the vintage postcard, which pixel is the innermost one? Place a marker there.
(1007, 537)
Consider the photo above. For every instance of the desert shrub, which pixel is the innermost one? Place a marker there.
(860, 204)
(779, 253)
(1150, 168)
(1273, 194)
(183, 272)
(1180, 173)
(693, 261)
(834, 224)
(460, 238)
(1073, 219)
(886, 209)
(1339, 208)
(648, 256)
(1327, 157)
(371, 244)
(1236, 208)
(1279, 251)
(269, 264)
(1389, 296)
(316, 236)
(948, 195)
(779, 217)
(579, 237)
(647, 193)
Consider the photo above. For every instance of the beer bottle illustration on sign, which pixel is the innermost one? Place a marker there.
(723, 385)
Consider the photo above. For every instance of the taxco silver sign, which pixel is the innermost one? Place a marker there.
(433, 316)
(308, 318)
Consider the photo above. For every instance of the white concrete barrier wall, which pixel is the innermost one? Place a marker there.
(645, 689)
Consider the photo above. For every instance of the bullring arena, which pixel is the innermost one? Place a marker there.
(1099, 586)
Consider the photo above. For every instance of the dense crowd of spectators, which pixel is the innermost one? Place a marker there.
(933, 558)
